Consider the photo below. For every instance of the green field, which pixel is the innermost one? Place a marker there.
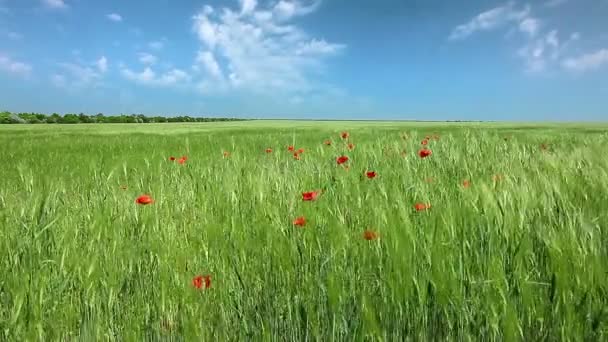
(520, 254)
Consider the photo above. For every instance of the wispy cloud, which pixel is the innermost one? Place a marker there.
(148, 77)
(258, 49)
(56, 4)
(587, 62)
(102, 64)
(530, 26)
(541, 47)
(489, 20)
(114, 17)
(14, 67)
(75, 76)
(147, 58)
(157, 44)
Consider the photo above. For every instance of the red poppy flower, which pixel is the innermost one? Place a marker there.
(144, 199)
(202, 281)
(351, 146)
(310, 196)
(371, 174)
(344, 135)
(300, 150)
(327, 142)
(172, 158)
(370, 235)
(290, 148)
(269, 150)
(341, 160)
(425, 152)
(296, 156)
(466, 183)
(182, 160)
(424, 142)
(421, 206)
(300, 221)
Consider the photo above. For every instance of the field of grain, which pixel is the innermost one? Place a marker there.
(500, 234)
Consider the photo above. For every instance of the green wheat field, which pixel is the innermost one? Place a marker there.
(517, 252)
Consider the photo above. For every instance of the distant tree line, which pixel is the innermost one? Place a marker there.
(37, 118)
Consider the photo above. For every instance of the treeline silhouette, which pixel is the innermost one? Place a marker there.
(37, 118)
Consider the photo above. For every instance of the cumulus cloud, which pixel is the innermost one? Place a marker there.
(56, 4)
(11, 66)
(257, 48)
(114, 17)
(489, 20)
(587, 62)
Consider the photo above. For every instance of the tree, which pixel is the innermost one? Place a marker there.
(7, 117)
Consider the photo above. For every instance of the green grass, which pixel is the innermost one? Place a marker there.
(522, 258)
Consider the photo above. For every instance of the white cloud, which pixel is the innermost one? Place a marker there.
(114, 17)
(75, 76)
(11, 66)
(206, 59)
(285, 10)
(247, 6)
(80, 76)
(58, 4)
(587, 62)
(149, 78)
(256, 49)
(539, 50)
(529, 26)
(538, 54)
(318, 47)
(147, 58)
(102, 64)
(490, 20)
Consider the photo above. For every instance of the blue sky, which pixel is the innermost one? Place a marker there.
(341, 59)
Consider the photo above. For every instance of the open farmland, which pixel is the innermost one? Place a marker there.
(500, 234)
